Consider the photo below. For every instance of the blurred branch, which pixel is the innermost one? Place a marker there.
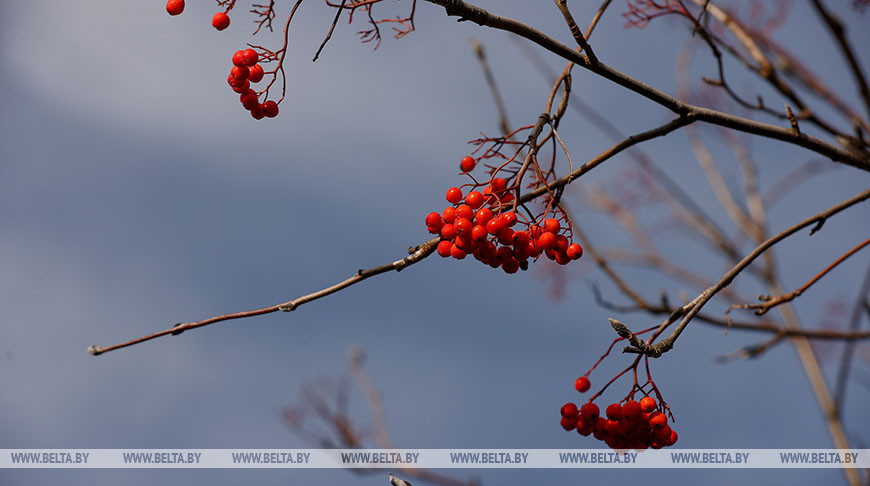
(839, 31)
(503, 122)
(862, 304)
(314, 401)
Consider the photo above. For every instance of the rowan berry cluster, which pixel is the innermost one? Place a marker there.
(626, 425)
(245, 71)
(484, 224)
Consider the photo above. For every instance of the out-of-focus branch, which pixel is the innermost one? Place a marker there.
(862, 304)
(503, 121)
(839, 31)
(379, 423)
(326, 402)
(765, 68)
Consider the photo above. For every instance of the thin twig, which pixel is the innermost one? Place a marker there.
(417, 254)
(839, 32)
(770, 302)
(331, 28)
(690, 310)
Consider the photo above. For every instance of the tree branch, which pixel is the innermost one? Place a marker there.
(690, 310)
(480, 16)
(416, 254)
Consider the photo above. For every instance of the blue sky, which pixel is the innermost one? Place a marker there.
(136, 193)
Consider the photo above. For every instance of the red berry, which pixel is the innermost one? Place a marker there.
(574, 251)
(551, 225)
(510, 266)
(521, 239)
(611, 427)
(448, 231)
(589, 412)
(503, 254)
(240, 74)
(433, 219)
(474, 199)
(454, 195)
(506, 236)
(582, 384)
(631, 411)
(546, 241)
(568, 424)
(466, 164)
(585, 429)
(257, 112)
(251, 57)
(561, 244)
(509, 218)
(498, 184)
(673, 439)
(599, 431)
(464, 243)
(464, 211)
(250, 100)
(444, 247)
(614, 411)
(449, 214)
(569, 410)
(494, 226)
(663, 434)
(478, 233)
(483, 216)
(241, 88)
(521, 252)
(456, 252)
(220, 21)
(256, 73)
(658, 420)
(270, 108)
(175, 7)
(239, 59)
(561, 258)
(463, 226)
(647, 404)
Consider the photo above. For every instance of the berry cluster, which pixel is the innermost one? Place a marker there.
(629, 425)
(480, 223)
(245, 71)
(245, 68)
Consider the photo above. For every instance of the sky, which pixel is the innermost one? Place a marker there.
(136, 193)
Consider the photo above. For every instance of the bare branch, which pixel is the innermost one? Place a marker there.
(770, 302)
(416, 254)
